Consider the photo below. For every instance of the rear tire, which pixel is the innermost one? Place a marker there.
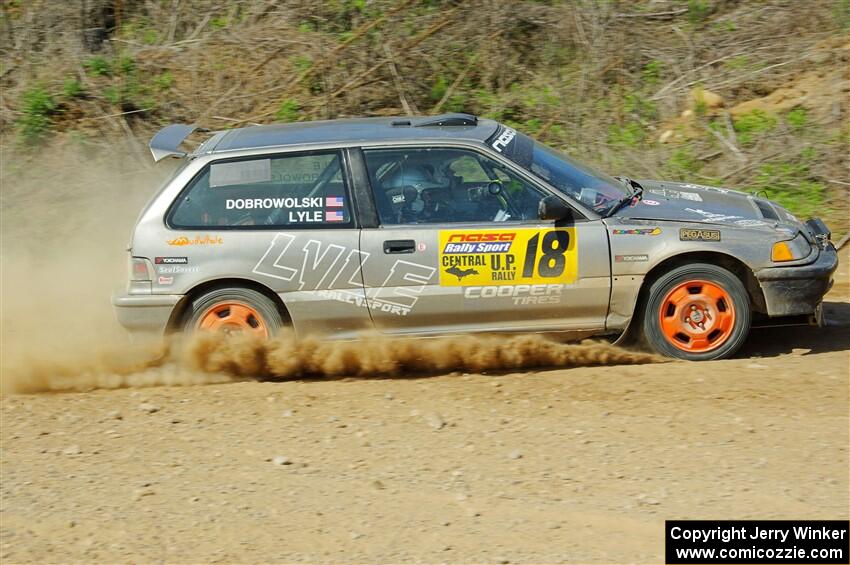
(234, 310)
(697, 312)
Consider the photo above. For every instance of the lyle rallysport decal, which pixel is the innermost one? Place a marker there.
(503, 257)
(334, 273)
(686, 234)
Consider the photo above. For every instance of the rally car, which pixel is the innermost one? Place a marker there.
(441, 225)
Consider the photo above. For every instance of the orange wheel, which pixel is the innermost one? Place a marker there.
(234, 310)
(233, 317)
(696, 312)
(697, 316)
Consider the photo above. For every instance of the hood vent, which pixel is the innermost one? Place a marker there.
(766, 210)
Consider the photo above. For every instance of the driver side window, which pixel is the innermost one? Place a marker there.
(443, 185)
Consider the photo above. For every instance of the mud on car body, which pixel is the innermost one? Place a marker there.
(453, 224)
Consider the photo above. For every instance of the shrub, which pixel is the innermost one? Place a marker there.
(438, 89)
(797, 118)
(72, 88)
(112, 94)
(682, 163)
(163, 81)
(631, 134)
(125, 65)
(698, 11)
(752, 124)
(288, 111)
(651, 72)
(98, 66)
(37, 106)
(791, 185)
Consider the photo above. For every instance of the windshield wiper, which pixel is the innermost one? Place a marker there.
(635, 195)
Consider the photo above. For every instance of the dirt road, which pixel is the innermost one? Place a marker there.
(579, 465)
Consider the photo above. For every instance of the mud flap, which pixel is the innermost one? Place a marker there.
(818, 318)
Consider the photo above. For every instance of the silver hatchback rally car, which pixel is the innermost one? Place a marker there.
(453, 224)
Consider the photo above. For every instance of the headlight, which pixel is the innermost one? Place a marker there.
(797, 248)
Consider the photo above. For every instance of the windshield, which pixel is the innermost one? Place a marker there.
(590, 187)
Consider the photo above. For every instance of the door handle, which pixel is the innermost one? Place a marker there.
(399, 246)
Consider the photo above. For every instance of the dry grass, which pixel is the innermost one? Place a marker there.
(599, 79)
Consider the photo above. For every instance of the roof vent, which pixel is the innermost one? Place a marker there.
(447, 120)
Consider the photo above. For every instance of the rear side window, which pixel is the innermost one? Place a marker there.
(305, 190)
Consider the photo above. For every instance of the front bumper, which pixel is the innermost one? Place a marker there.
(791, 291)
(144, 312)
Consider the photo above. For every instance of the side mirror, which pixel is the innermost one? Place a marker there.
(494, 188)
(553, 208)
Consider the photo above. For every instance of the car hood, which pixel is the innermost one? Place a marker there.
(683, 202)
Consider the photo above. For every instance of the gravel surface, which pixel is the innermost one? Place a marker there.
(580, 465)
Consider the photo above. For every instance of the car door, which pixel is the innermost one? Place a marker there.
(459, 247)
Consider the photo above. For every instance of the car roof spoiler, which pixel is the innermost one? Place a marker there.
(167, 141)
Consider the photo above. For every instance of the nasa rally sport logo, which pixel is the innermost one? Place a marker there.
(479, 243)
(504, 139)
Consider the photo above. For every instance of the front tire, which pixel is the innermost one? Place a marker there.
(697, 312)
(234, 310)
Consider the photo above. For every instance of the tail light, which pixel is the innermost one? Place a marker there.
(140, 269)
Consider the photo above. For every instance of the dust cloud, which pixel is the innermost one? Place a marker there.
(374, 355)
(217, 358)
(66, 220)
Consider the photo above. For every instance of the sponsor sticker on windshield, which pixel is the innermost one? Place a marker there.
(503, 257)
(240, 172)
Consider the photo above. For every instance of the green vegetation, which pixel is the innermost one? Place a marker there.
(438, 89)
(631, 134)
(797, 119)
(751, 125)
(163, 81)
(72, 88)
(682, 164)
(302, 64)
(698, 11)
(98, 66)
(141, 30)
(841, 13)
(791, 185)
(737, 63)
(288, 111)
(37, 105)
(651, 72)
(112, 94)
(125, 65)
(218, 22)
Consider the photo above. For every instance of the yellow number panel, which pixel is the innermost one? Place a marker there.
(508, 256)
